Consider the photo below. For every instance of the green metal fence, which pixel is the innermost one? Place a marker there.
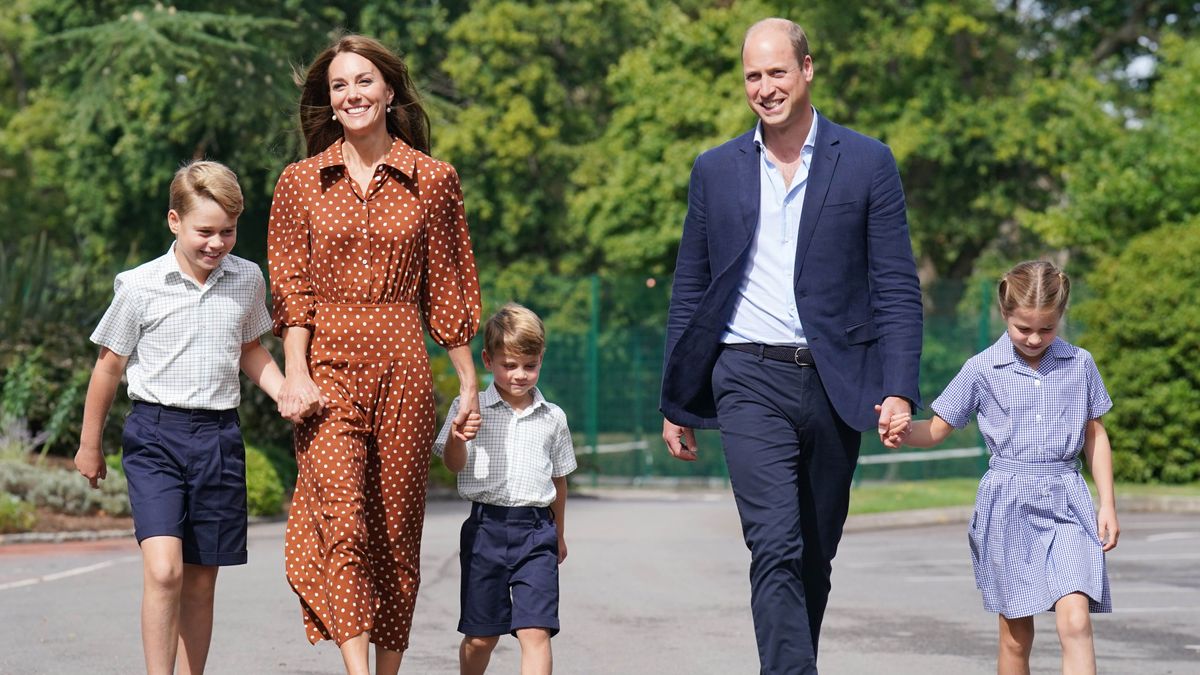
(603, 364)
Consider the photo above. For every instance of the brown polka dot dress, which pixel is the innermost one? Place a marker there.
(364, 271)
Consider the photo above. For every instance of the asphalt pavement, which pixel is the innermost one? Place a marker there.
(653, 584)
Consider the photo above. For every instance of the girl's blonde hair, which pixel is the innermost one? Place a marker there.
(516, 330)
(1034, 284)
(210, 180)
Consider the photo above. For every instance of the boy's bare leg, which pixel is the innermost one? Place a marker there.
(1074, 625)
(162, 581)
(535, 651)
(356, 654)
(387, 661)
(475, 653)
(196, 617)
(1016, 641)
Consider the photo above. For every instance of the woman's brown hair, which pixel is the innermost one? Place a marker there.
(407, 119)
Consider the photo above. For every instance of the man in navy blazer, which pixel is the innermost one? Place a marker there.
(795, 325)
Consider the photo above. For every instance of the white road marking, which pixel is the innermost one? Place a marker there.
(67, 573)
(1172, 536)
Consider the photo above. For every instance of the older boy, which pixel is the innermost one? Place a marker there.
(183, 323)
(516, 478)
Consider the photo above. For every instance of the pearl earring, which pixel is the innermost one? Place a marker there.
(389, 108)
(335, 117)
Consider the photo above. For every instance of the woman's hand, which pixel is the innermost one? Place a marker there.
(468, 420)
(300, 397)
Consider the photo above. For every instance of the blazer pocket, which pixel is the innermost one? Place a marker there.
(860, 333)
(838, 209)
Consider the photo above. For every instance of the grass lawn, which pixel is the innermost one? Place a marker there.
(878, 497)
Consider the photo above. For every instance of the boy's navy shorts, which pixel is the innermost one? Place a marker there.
(509, 557)
(186, 471)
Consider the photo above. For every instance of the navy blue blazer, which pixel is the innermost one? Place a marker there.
(855, 280)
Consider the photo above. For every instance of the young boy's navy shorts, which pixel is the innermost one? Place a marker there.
(509, 557)
(186, 471)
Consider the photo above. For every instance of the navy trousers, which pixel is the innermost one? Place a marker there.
(791, 462)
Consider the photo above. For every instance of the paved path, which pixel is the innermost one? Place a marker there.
(655, 586)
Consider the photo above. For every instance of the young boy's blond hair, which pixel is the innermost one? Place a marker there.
(516, 330)
(210, 180)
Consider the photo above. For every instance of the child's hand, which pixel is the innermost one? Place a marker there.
(898, 429)
(470, 427)
(90, 463)
(1107, 527)
(562, 549)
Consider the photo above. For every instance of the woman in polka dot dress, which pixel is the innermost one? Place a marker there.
(367, 242)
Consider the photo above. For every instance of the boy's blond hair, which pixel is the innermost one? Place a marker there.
(514, 329)
(207, 179)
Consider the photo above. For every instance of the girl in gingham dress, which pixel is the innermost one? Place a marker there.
(1037, 541)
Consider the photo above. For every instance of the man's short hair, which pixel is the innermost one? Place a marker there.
(794, 32)
(516, 330)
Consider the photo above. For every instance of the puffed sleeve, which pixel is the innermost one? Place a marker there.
(450, 304)
(288, 249)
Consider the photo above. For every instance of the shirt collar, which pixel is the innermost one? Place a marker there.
(1003, 352)
(810, 142)
(400, 157)
(490, 397)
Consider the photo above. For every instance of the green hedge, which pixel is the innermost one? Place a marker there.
(1143, 326)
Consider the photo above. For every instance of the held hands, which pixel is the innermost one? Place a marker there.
(1107, 527)
(467, 422)
(681, 441)
(90, 463)
(300, 397)
(895, 421)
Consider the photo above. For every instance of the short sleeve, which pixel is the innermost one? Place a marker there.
(288, 253)
(443, 437)
(257, 320)
(121, 326)
(450, 303)
(562, 450)
(960, 399)
(1099, 402)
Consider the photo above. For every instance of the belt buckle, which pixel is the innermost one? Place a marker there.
(796, 356)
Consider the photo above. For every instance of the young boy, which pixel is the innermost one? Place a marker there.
(184, 324)
(516, 478)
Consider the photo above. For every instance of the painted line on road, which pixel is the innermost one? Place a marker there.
(1154, 610)
(1173, 536)
(67, 573)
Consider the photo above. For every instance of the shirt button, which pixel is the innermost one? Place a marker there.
(1039, 418)
(1037, 383)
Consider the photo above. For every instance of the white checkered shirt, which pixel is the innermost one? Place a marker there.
(513, 458)
(184, 341)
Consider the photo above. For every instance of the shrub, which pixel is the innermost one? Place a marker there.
(1143, 326)
(15, 515)
(63, 491)
(264, 489)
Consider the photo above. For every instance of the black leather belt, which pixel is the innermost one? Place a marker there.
(800, 356)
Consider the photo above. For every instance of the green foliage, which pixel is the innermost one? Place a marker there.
(1143, 327)
(63, 491)
(264, 485)
(1142, 178)
(15, 515)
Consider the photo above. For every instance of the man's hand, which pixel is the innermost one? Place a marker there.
(892, 433)
(681, 441)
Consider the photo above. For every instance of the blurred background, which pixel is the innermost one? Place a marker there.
(1023, 129)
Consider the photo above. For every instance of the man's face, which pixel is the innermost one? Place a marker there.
(776, 84)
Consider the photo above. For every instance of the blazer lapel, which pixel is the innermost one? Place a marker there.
(820, 175)
(748, 176)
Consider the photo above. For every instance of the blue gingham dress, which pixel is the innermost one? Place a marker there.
(1033, 536)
